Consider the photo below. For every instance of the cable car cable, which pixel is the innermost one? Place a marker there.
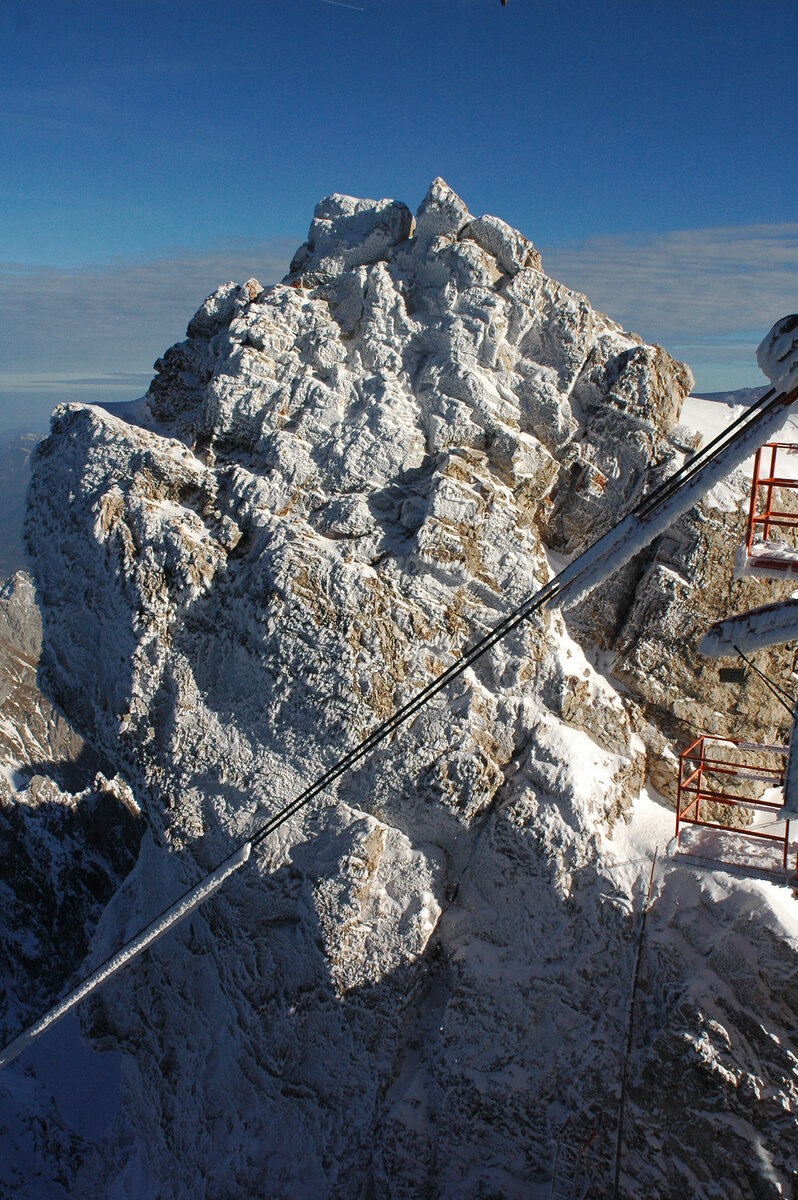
(784, 698)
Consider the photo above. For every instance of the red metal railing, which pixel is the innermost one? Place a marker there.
(704, 780)
(762, 519)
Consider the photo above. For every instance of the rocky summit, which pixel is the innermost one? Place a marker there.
(333, 485)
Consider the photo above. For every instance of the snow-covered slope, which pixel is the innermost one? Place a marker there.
(330, 487)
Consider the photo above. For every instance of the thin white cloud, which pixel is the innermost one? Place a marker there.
(105, 325)
(60, 382)
(717, 291)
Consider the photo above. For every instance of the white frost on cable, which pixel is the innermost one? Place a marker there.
(183, 908)
(633, 533)
(759, 627)
(777, 354)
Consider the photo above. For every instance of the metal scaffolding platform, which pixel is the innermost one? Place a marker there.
(774, 477)
(719, 776)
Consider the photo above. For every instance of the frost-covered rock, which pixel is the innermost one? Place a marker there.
(336, 484)
(685, 583)
(777, 354)
(346, 232)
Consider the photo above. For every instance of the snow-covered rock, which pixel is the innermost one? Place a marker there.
(777, 354)
(346, 232)
(335, 484)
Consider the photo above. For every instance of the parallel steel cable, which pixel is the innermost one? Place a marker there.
(630, 1033)
(707, 452)
(645, 507)
(784, 698)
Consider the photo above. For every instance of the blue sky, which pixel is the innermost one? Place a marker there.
(150, 151)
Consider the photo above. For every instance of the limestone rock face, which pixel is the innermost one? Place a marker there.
(332, 486)
(346, 232)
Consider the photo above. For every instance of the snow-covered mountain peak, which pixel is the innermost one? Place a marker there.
(346, 232)
(333, 484)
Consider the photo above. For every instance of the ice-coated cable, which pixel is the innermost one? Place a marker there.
(692, 465)
(181, 908)
(652, 515)
(756, 629)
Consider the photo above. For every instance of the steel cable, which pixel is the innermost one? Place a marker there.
(779, 692)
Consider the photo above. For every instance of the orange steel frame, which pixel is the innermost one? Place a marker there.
(702, 778)
(769, 516)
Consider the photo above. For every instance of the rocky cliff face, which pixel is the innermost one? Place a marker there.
(332, 485)
(69, 835)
